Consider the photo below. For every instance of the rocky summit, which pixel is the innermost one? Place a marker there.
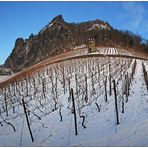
(59, 36)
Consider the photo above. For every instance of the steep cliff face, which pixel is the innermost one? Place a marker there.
(54, 38)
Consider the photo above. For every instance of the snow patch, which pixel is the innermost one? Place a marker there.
(79, 46)
(99, 27)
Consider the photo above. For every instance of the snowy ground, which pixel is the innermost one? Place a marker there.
(2, 78)
(101, 128)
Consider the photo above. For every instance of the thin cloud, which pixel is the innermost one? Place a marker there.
(135, 12)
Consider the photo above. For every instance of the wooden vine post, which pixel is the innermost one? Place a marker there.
(86, 89)
(110, 85)
(76, 79)
(27, 120)
(5, 98)
(64, 79)
(116, 105)
(74, 111)
(105, 86)
(69, 86)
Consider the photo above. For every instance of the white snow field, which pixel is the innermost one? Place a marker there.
(48, 102)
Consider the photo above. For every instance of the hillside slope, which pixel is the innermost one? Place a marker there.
(48, 101)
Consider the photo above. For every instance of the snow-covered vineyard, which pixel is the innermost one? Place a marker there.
(96, 101)
(106, 51)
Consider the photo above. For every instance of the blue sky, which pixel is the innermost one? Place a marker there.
(20, 19)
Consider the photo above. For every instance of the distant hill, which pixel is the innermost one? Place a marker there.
(59, 36)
